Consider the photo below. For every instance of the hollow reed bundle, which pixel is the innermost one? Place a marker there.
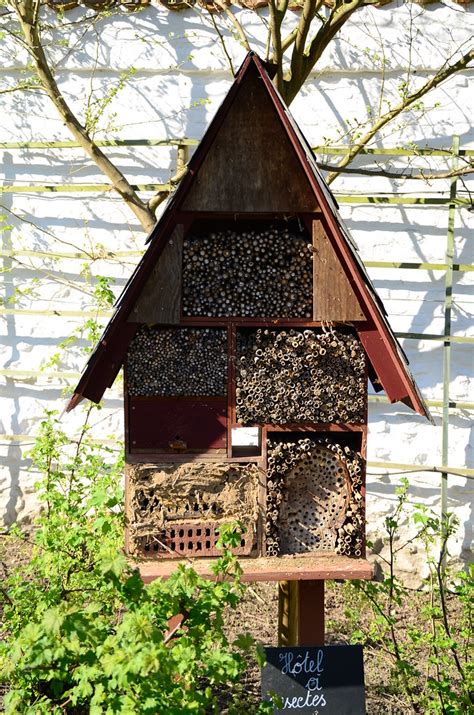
(314, 498)
(262, 272)
(173, 362)
(298, 376)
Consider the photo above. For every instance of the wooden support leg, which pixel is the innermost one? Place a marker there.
(287, 611)
(300, 613)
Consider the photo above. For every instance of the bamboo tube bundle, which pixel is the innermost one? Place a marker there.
(314, 498)
(177, 361)
(263, 272)
(298, 376)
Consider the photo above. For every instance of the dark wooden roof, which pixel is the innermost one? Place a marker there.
(388, 363)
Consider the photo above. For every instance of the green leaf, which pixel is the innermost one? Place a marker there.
(114, 564)
(244, 641)
(261, 655)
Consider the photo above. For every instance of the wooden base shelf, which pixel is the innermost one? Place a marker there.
(158, 458)
(275, 568)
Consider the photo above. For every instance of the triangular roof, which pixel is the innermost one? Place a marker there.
(388, 363)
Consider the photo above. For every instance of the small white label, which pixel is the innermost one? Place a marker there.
(245, 436)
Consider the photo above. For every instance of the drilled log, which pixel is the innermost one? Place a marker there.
(314, 498)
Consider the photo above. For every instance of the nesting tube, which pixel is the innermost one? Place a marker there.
(314, 501)
(300, 376)
(262, 272)
(171, 362)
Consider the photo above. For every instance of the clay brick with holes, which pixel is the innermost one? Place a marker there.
(188, 540)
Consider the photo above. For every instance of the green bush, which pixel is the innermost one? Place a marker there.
(424, 636)
(82, 634)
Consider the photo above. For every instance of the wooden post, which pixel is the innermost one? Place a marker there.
(300, 613)
(448, 314)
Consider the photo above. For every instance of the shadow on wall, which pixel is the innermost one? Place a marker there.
(14, 501)
(460, 497)
(190, 121)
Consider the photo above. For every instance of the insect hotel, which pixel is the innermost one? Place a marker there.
(247, 334)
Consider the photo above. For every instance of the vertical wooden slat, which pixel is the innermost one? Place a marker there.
(363, 452)
(263, 497)
(333, 297)
(287, 613)
(127, 508)
(262, 501)
(160, 298)
(126, 430)
(311, 613)
(448, 304)
(231, 358)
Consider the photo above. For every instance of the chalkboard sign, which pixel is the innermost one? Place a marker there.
(327, 680)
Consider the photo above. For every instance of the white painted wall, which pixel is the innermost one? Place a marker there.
(181, 77)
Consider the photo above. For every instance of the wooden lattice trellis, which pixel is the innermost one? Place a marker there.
(450, 267)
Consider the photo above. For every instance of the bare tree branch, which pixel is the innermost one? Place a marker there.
(238, 27)
(222, 41)
(441, 76)
(404, 174)
(309, 56)
(277, 14)
(161, 196)
(28, 15)
(27, 87)
(306, 18)
(289, 39)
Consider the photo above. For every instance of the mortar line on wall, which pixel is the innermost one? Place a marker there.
(105, 72)
(398, 200)
(59, 313)
(401, 468)
(21, 375)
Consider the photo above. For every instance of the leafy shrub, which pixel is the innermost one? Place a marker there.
(82, 634)
(425, 636)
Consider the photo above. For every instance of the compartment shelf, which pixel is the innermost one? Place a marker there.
(310, 567)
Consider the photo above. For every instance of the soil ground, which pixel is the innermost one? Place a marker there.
(257, 614)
